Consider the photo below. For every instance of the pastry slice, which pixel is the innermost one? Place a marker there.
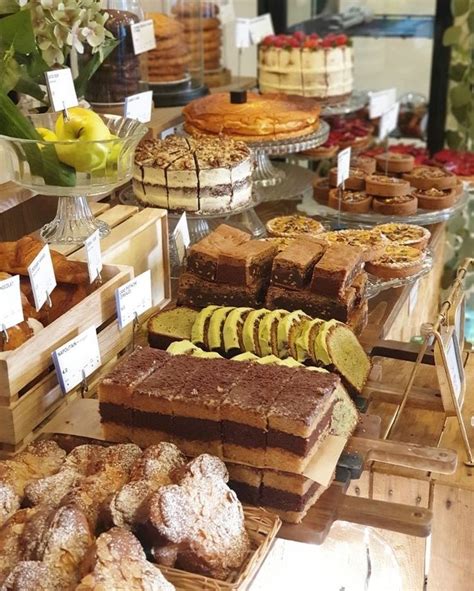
(215, 329)
(290, 362)
(206, 354)
(201, 325)
(232, 331)
(170, 325)
(247, 356)
(250, 330)
(288, 329)
(268, 360)
(397, 261)
(308, 339)
(182, 348)
(268, 332)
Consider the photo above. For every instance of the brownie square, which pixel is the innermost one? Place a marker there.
(246, 264)
(293, 266)
(336, 269)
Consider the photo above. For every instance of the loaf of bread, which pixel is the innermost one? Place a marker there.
(117, 562)
(200, 519)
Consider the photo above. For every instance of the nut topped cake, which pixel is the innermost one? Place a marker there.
(209, 175)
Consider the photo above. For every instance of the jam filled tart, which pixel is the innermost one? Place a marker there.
(352, 201)
(397, 261)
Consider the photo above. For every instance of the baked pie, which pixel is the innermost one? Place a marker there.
(431, 177)
(395, 162)
(353, 201)
(399, 205)
(355, 182)
(405, 234)
(386, 186)
(434, 199)
(291, 226)
(397, 261)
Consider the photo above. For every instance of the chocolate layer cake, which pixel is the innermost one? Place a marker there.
(209, 175)
(336, 269)
(204, 255)
(293, 266)
(264, 415)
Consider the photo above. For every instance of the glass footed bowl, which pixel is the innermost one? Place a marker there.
(35, 165)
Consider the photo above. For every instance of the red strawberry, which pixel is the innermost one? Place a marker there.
(314, 36)
(299, 35)
(311, 43)
(269, 40)
(294, 42)
(279, 42)
(341, 39)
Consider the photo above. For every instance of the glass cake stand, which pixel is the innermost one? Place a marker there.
(35, 165)
(423, 217)
(353, 103)
(268, 175)
(375, 284)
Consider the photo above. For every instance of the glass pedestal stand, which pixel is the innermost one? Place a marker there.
(353, 103)
(73, 222)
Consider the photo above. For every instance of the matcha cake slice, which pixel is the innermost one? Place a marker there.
(250, 330)
(232, 331)
(200, 326)
(215, 329)
(268, 332)
(170, 325)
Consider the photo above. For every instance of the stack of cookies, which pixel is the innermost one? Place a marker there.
(205, 17)
(169, 61)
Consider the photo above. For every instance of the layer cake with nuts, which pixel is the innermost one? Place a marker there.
(268, 416)
(209, 175)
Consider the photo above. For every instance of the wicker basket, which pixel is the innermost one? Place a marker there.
(262, 528)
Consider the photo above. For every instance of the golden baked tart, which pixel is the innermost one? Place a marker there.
(364, 162)
(398, 205)
(434, 199)
(372, 243)
(431, 177)
(386, 186)
(397, 261)
(355, 181)
(352, 201)
(293, 226)
(395, 162)
(405, 234)
(321, 190)
(262, 117)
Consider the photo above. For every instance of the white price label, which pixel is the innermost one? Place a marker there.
(94, 255)
(343, 165)
(11, 309)
(133, 298)
(77, 359)
(167, 132)
(62, 93)
(455, 365)
(181, 236)
(242, 33)
(143, 36)
(389, 121)
(41, 273)
(381, 101)
(261, 27)
(226, 11)
(139, 106)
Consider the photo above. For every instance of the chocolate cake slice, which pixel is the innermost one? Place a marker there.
(336, 269)
(294, 265)
(299, 419)
(246, 264)
(315, 305)
(203, 256)
(116, 389)
(195, 292)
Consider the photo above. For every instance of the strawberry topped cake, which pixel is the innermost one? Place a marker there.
(307, 65)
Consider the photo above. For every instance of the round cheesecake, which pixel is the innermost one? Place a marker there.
(209, 175)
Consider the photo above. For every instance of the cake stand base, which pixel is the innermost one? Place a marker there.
(296, 183)
(73, 223)
(265, 173)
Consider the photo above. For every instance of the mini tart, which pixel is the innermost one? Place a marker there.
(321, 190)
(386, 186)
(372, 243)
(355, 182)
(395, 162)
(433, 198)
(364, 163)
(397, 261)
(353, 201)
(405, 234)
(401, 205)
(431, 177)
(293, 226)
(322, 152)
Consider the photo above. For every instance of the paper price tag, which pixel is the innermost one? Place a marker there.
(166, 132)
(133, 298)
(139, 106)
(389, 121)
(343, 165)
(181, 236)
(381, 101)
(260, 27)
(11, 309)
(77, 359)
(94, 255)
(226, 11)
(42, 277)
(143, 36)
(242, 33)
(62, 93)
(455, 365)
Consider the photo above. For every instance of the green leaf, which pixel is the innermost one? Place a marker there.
(28, 86)
(457, 72)
(8, 7)
(470, 21)
(17, 30)
(86, 72)
(461, 115)
(9, 73)
(453, 139)
(459, 7)
(452, 35)
(460, 95)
